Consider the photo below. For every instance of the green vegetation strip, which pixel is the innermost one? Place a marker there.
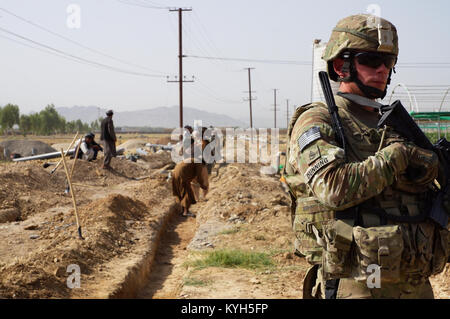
(234, 259)
(195, 282)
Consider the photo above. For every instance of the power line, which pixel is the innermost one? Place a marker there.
(111, 68)
(204, 31)
(75, 42)
(42, 50)
(198, 43)
(252, 60)
(417, 65)
(207, 95)
(214, 94)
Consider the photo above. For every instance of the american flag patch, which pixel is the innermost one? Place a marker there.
(308, 137)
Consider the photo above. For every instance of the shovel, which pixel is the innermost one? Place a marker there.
(68, 149)
(72, 193)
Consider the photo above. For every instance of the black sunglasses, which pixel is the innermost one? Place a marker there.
(374, 60)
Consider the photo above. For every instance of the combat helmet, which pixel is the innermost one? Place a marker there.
(363, 32)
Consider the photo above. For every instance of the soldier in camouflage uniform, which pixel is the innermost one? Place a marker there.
(360, 209)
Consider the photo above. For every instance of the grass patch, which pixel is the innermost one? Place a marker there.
(234, 259)
(195, 282)
(233, 230)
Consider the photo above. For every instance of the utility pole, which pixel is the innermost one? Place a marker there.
(275, 107)
(250, 98)
(287, 113)
(180, 57)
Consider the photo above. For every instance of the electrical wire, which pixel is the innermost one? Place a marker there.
(308, 63)
(303, 63)
(77, 43)
(105, 66)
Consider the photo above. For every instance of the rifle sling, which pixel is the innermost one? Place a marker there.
(361, 100)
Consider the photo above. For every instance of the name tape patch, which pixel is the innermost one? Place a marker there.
(316, 167)
(308, 137)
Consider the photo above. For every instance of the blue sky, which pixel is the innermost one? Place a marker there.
(263, 29)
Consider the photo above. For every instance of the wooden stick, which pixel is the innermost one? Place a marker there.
(68, 149)
(75, 160)
(72, 193)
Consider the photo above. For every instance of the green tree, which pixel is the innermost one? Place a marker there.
(70, 127)
(9, 117)
(35, 120)
(25, 124)
(50, 120)
(79, 125)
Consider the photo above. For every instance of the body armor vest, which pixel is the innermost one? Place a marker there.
(394, 217)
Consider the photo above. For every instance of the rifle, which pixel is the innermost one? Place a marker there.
(398, 118)
(333, 110)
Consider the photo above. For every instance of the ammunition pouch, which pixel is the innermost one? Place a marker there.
(337, 242)
(310, 214)
(405, 252)
(381, 246)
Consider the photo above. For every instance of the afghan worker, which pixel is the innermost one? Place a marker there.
(183, 175)
(108, 137)
(89, 148)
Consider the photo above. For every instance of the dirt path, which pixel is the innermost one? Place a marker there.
(168, 269)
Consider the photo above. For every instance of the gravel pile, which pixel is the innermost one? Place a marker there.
(26, 147)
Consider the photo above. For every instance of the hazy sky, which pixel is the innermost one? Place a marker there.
(146, 37)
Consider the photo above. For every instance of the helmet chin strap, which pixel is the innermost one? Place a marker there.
(368, 91)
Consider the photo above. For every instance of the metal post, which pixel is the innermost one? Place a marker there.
(180, 57)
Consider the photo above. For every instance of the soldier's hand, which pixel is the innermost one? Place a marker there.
(397, 155)
(422, 170)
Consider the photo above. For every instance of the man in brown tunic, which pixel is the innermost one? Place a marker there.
(182, 176)
(108, 136)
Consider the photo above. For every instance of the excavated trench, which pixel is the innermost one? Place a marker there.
(160, 272)
(167, 273)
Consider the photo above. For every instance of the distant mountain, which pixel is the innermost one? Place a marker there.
(86, 114)
(158, 117)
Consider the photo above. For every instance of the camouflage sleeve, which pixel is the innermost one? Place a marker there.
(320, 161)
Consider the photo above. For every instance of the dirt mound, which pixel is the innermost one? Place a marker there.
(241, 193)
(92, 173)
(107, 227)
(157, 160)
(28, 188)
(165, 140)
(26, 147)
(60, 146)
(132, 144)
(117, 208)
